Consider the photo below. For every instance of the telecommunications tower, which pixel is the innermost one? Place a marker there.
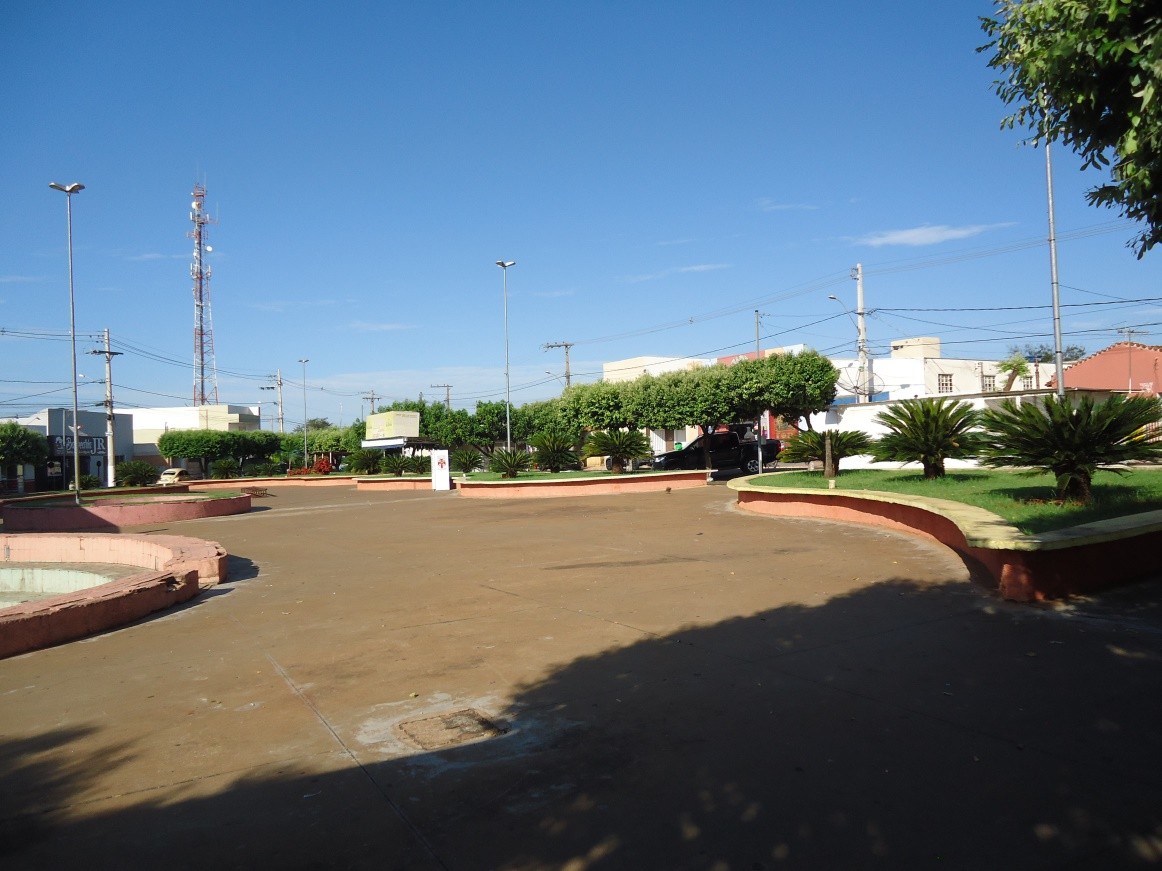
(203, 318)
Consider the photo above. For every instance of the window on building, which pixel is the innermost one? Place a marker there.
(988, 383)
(944, 383)
(1027, 382)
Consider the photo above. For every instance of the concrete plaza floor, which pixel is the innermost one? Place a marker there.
(420, 681)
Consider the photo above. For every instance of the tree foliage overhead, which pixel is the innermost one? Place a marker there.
(1089, 73)
(1044, 353)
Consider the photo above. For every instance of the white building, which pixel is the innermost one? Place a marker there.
(150, 424)
(55, 424)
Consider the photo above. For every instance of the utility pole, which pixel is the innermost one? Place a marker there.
(1058, 356)
(447, 394)
(864, 387)
(370, 397)
(566, 345)
(1129, 333)
(278, 386)
(758, 355)
(110, 450)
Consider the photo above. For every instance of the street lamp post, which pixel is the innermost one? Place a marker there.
(504, 264)
(305, 361)
(69, 190)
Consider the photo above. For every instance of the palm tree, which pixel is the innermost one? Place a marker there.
(1071, 441)
(809, 446)
(620, 445)
(928, 431)
(555, 451)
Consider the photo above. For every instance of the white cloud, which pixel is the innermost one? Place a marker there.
(19, 279)
(928, 234)
(766, 204)
(677, 270)
(552, 294)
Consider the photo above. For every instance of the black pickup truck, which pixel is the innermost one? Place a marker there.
(727, 451)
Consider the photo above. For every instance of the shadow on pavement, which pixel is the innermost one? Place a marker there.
(898, 726)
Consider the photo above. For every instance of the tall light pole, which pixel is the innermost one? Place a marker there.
(504, 264)
(69, 190)
(1058, 358)
(305, 361)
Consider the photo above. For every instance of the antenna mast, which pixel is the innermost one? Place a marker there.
(203, 318)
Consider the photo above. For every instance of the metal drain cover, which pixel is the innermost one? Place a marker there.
(446, 730)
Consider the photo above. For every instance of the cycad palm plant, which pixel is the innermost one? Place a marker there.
(808, 445)
(928, 431)
(555, 451)
(1072, 441)
(620, 445)
(509, 463)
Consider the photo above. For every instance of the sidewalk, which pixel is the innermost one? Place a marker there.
(417, 681)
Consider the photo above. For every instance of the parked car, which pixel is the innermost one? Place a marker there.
(727, 451)
(174, 476)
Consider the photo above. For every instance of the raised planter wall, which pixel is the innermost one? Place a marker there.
(394, 483)
(1025, 568)
(542, 488)
(111, 517)
(178, 568)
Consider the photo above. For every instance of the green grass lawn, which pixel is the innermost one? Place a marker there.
(1025, 501)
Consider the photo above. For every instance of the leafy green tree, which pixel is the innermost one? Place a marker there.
(134, 473)
(1089, 73)
(809, 445)
(352, 437)
(554, 451)
(488, 425)
(1072, 441)
(1044, 353)
(928, 431)
(1016, 366)
(510, 463)
(620, 445)
(258, 444)
(600, 405)
(20, 446)
(203, 445)
(804, 385)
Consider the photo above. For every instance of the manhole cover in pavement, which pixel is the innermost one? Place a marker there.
(445, 730)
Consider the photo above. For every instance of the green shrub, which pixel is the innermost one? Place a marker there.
(809, 445)
(509, 463)
(928, 431)
(554, 451)
(393, 464)
(260, 469)
(620, 445)
(363, 461)
(419, 464)
(224, 468)
(135, 473)
(466, 460)
(1072, 442)
(91, 482)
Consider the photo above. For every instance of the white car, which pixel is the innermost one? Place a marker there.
(174, 476)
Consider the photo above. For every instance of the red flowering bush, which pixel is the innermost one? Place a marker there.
(322, 466)
(291, 473)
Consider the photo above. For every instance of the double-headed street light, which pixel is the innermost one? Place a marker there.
(69, 190)
(504, 264)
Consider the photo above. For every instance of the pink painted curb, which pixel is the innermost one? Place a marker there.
(1025, 568)
(108, 515)
(177, 569)
(547, 488)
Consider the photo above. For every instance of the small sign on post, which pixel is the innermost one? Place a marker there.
(441, 471)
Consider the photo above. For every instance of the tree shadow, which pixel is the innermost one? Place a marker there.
(901, 725)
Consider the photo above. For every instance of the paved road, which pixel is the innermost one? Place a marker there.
(628, 682)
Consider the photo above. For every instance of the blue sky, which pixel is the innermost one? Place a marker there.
(657, 170)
